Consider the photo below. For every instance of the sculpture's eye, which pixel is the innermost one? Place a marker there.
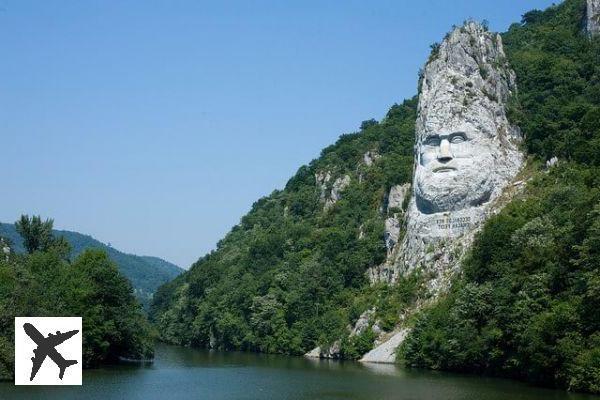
(432, 141)
(458, 138)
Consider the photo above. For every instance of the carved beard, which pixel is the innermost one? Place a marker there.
(471, 185)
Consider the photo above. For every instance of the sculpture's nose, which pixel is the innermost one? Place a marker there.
(444, 154)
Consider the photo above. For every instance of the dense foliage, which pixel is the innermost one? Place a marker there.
(45, 283)
(145, 273)
(527, 305)
(291, 275)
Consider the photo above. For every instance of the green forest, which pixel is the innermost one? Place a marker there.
(45, 282)
(528, 303)
(291, 275)
(145, 273)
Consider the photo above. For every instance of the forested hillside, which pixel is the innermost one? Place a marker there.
(527, 305)
(43, 282)
(145, 273)
(291, 275)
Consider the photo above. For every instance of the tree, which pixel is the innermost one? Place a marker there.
(36, 234)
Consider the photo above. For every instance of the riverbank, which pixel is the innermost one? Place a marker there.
(184, 373)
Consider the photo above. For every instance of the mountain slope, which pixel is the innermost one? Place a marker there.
(291, 275)
(145, 273)
(527, 303)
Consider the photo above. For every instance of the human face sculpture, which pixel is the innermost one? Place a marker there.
(455, 169)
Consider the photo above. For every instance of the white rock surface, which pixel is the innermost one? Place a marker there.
(331, 193)
(331, 352)
(338, 187)
(386, 351)
(322, 178)
(466, 153)
(593, 17)
(391, 232)
(362, 323)
(397, 195)
(370, 157)
(552, 162)
(361, 232)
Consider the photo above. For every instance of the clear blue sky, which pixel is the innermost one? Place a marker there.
(154, 125)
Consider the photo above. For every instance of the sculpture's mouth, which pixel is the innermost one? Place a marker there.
(443, 169)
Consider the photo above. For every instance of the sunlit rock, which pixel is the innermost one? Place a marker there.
(330, 193)
(466, 156)
(466, 152)
(593, 17)
(370, 157)
(397, 196)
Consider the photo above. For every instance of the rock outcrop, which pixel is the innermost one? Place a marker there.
(363, 322)
(592, 25)
(370, 157)
(466, 155)
(386, 351)
(397, 196)
(331, 352)
(331, 193)
(395, 211)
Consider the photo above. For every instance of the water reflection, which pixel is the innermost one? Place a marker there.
(183, 373)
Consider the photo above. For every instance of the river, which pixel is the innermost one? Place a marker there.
(183, 373)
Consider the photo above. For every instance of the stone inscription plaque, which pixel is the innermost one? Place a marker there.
(453, 223)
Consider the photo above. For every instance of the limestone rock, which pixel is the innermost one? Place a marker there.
(322, 178)
(332, 352)
(330, 193)
(466, 154)
(397, 195)
(391, 232)
(314, 353)
(466, 157)
(552, 162)
(339, 185)
(593, 17)
(385, 352)
(361, 232)
(362, 323)
(370, 157)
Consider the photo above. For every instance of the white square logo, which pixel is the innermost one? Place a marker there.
(48, 350)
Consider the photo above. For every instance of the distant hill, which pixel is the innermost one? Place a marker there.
(145, 273)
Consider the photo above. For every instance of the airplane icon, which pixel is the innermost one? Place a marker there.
(46, 347)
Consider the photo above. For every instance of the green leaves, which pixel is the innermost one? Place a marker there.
(44, 284)
(287, 278)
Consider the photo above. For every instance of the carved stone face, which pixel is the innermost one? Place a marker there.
(455, 169)
(465, 146)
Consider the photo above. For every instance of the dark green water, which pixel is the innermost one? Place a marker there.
(181, 373)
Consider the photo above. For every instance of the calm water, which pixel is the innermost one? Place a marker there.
(181, 373)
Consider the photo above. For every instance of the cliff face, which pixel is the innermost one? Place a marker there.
(593, 17)
(344, 259)
(465, 153)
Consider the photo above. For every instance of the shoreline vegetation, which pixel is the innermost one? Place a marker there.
(291, 275)
(44, 282)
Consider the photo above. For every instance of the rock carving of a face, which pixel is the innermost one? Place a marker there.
(465, 147)
(455, 169)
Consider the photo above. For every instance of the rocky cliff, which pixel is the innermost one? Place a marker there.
(593, 17)
(354, 256)
(466, 154)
